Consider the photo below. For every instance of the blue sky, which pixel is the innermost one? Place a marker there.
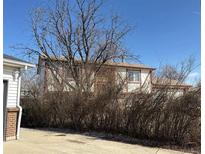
(166, 31)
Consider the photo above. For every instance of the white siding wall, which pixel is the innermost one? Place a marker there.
(146, 80)
(12, 94)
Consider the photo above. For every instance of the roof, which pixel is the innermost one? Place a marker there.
(124, 64)
(117, 64)
(11, 60)
(156, 81)
(14, 58)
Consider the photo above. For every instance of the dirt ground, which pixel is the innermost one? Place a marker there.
(47, 142)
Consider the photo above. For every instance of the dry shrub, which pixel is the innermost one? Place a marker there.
(166, 119)
(147, 116)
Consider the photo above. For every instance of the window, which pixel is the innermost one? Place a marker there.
(69, 74)
(133, 76)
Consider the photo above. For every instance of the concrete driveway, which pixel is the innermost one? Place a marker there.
(46, 142)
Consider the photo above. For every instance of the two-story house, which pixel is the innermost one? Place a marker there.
(135, 77)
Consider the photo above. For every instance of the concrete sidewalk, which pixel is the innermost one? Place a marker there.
(46, 142)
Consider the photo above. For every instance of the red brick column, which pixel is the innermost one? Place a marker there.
(12, 119)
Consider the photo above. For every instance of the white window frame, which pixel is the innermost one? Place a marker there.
(135, 79)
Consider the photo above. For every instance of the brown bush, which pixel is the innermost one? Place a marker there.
(147, 116)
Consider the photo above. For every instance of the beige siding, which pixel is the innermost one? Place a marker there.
(121, 77)
(133, 87)
(121, 74)
(42, 72)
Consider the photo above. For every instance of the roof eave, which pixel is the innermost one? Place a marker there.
(177, 85)
(19, 64)
(136, 67)
(106, 64)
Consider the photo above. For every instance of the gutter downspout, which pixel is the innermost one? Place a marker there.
(18, 105)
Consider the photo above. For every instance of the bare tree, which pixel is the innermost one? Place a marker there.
(30, 86)
(177, 72)
(78, 34)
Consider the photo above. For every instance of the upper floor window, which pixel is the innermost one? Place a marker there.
(133, 75)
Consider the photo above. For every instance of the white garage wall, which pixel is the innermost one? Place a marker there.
(12, 94)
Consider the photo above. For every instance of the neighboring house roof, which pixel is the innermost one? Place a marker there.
(16, 62)
(124, 64)
(156, 81)
(116, 64)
